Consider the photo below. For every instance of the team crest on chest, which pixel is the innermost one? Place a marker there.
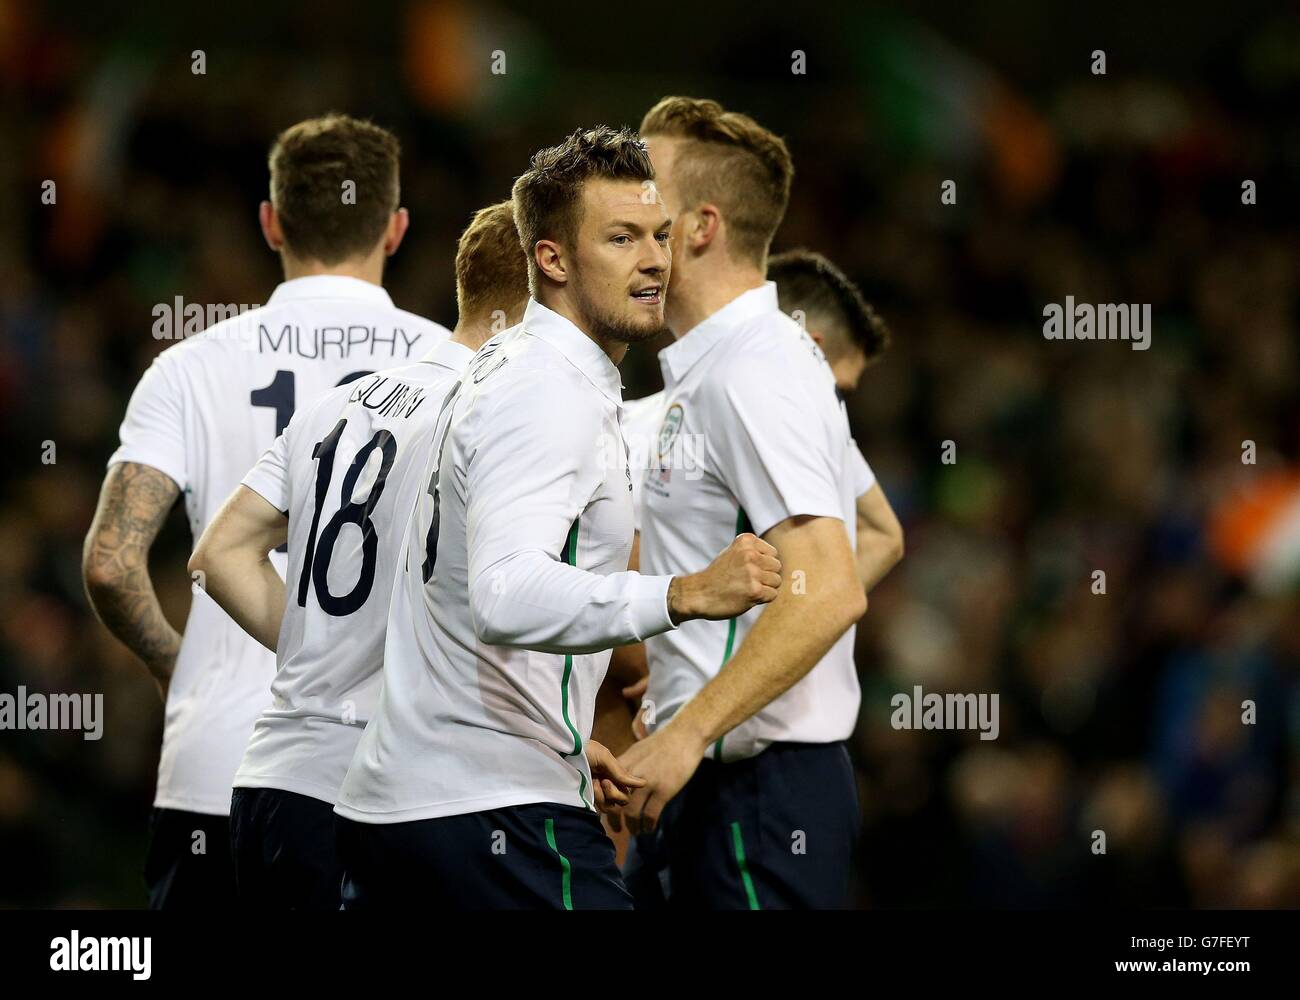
(661, 474)
(669, 430)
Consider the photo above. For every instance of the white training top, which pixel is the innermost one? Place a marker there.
(863, 476)
(203, 413)
(347, 472)
(642, 420)
(514, 590)
(750, 396)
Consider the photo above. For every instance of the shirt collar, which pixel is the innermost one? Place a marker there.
(329, 286)
(678, 357)
(580, 350)
(448, 354)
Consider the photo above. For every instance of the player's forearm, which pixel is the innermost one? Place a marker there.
(790, 637)
(133, 503)
(232, 563)
(877, 553)
(879, 537)
(247, 587)
(530, 601)
(128, 607)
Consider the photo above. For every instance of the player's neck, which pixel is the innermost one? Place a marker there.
(473, 333)
(560, 304)
(689, 307)
(369, 269)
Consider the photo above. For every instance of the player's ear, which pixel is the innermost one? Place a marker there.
(550, 261)
(818, 337)
(397, 226)
(704, 226)
(270, 222)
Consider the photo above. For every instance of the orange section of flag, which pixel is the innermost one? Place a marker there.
(437, 53)
(1241, 523)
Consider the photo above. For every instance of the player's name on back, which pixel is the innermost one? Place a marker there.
(389, 396)
(350, 341)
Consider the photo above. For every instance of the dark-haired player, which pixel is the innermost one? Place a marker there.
(822, 299)
(200, 417)
(475, 785)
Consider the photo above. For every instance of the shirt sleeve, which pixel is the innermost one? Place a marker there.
(531, 464)
(762, 435)
(269, 478)
(153, 430)
(860, 473)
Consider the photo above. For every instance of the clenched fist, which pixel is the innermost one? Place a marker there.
(745, 573)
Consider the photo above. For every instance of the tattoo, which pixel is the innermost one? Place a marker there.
(133, 505)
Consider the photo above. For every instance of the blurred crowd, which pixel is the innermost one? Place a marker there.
(1158, 703)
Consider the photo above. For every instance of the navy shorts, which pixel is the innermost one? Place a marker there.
(775, 831)
(540, 856)
(188, 865)
(284, 850)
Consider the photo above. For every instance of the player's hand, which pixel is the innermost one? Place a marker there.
(745, 573)
(611, 783)
(666, 759)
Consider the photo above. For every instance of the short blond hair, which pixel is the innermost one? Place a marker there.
(731, 161)
(491, 269)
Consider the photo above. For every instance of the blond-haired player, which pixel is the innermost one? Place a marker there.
(746, 756)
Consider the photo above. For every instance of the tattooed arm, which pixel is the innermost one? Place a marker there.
(133, 504)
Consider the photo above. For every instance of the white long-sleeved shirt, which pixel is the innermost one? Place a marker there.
(513, 589)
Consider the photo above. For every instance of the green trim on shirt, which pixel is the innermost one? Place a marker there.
(569, 556)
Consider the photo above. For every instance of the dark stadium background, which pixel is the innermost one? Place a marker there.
(1119, 712)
